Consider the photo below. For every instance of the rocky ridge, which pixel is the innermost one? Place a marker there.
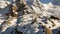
(27, 18)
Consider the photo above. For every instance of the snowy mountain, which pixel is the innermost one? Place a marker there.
(29, 17)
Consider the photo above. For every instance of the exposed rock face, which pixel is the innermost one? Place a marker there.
(29, 19)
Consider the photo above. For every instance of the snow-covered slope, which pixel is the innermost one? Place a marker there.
(29, 17)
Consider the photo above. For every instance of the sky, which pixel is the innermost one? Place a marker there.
(46, 1)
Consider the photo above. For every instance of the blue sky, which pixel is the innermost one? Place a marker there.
(46, 1)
